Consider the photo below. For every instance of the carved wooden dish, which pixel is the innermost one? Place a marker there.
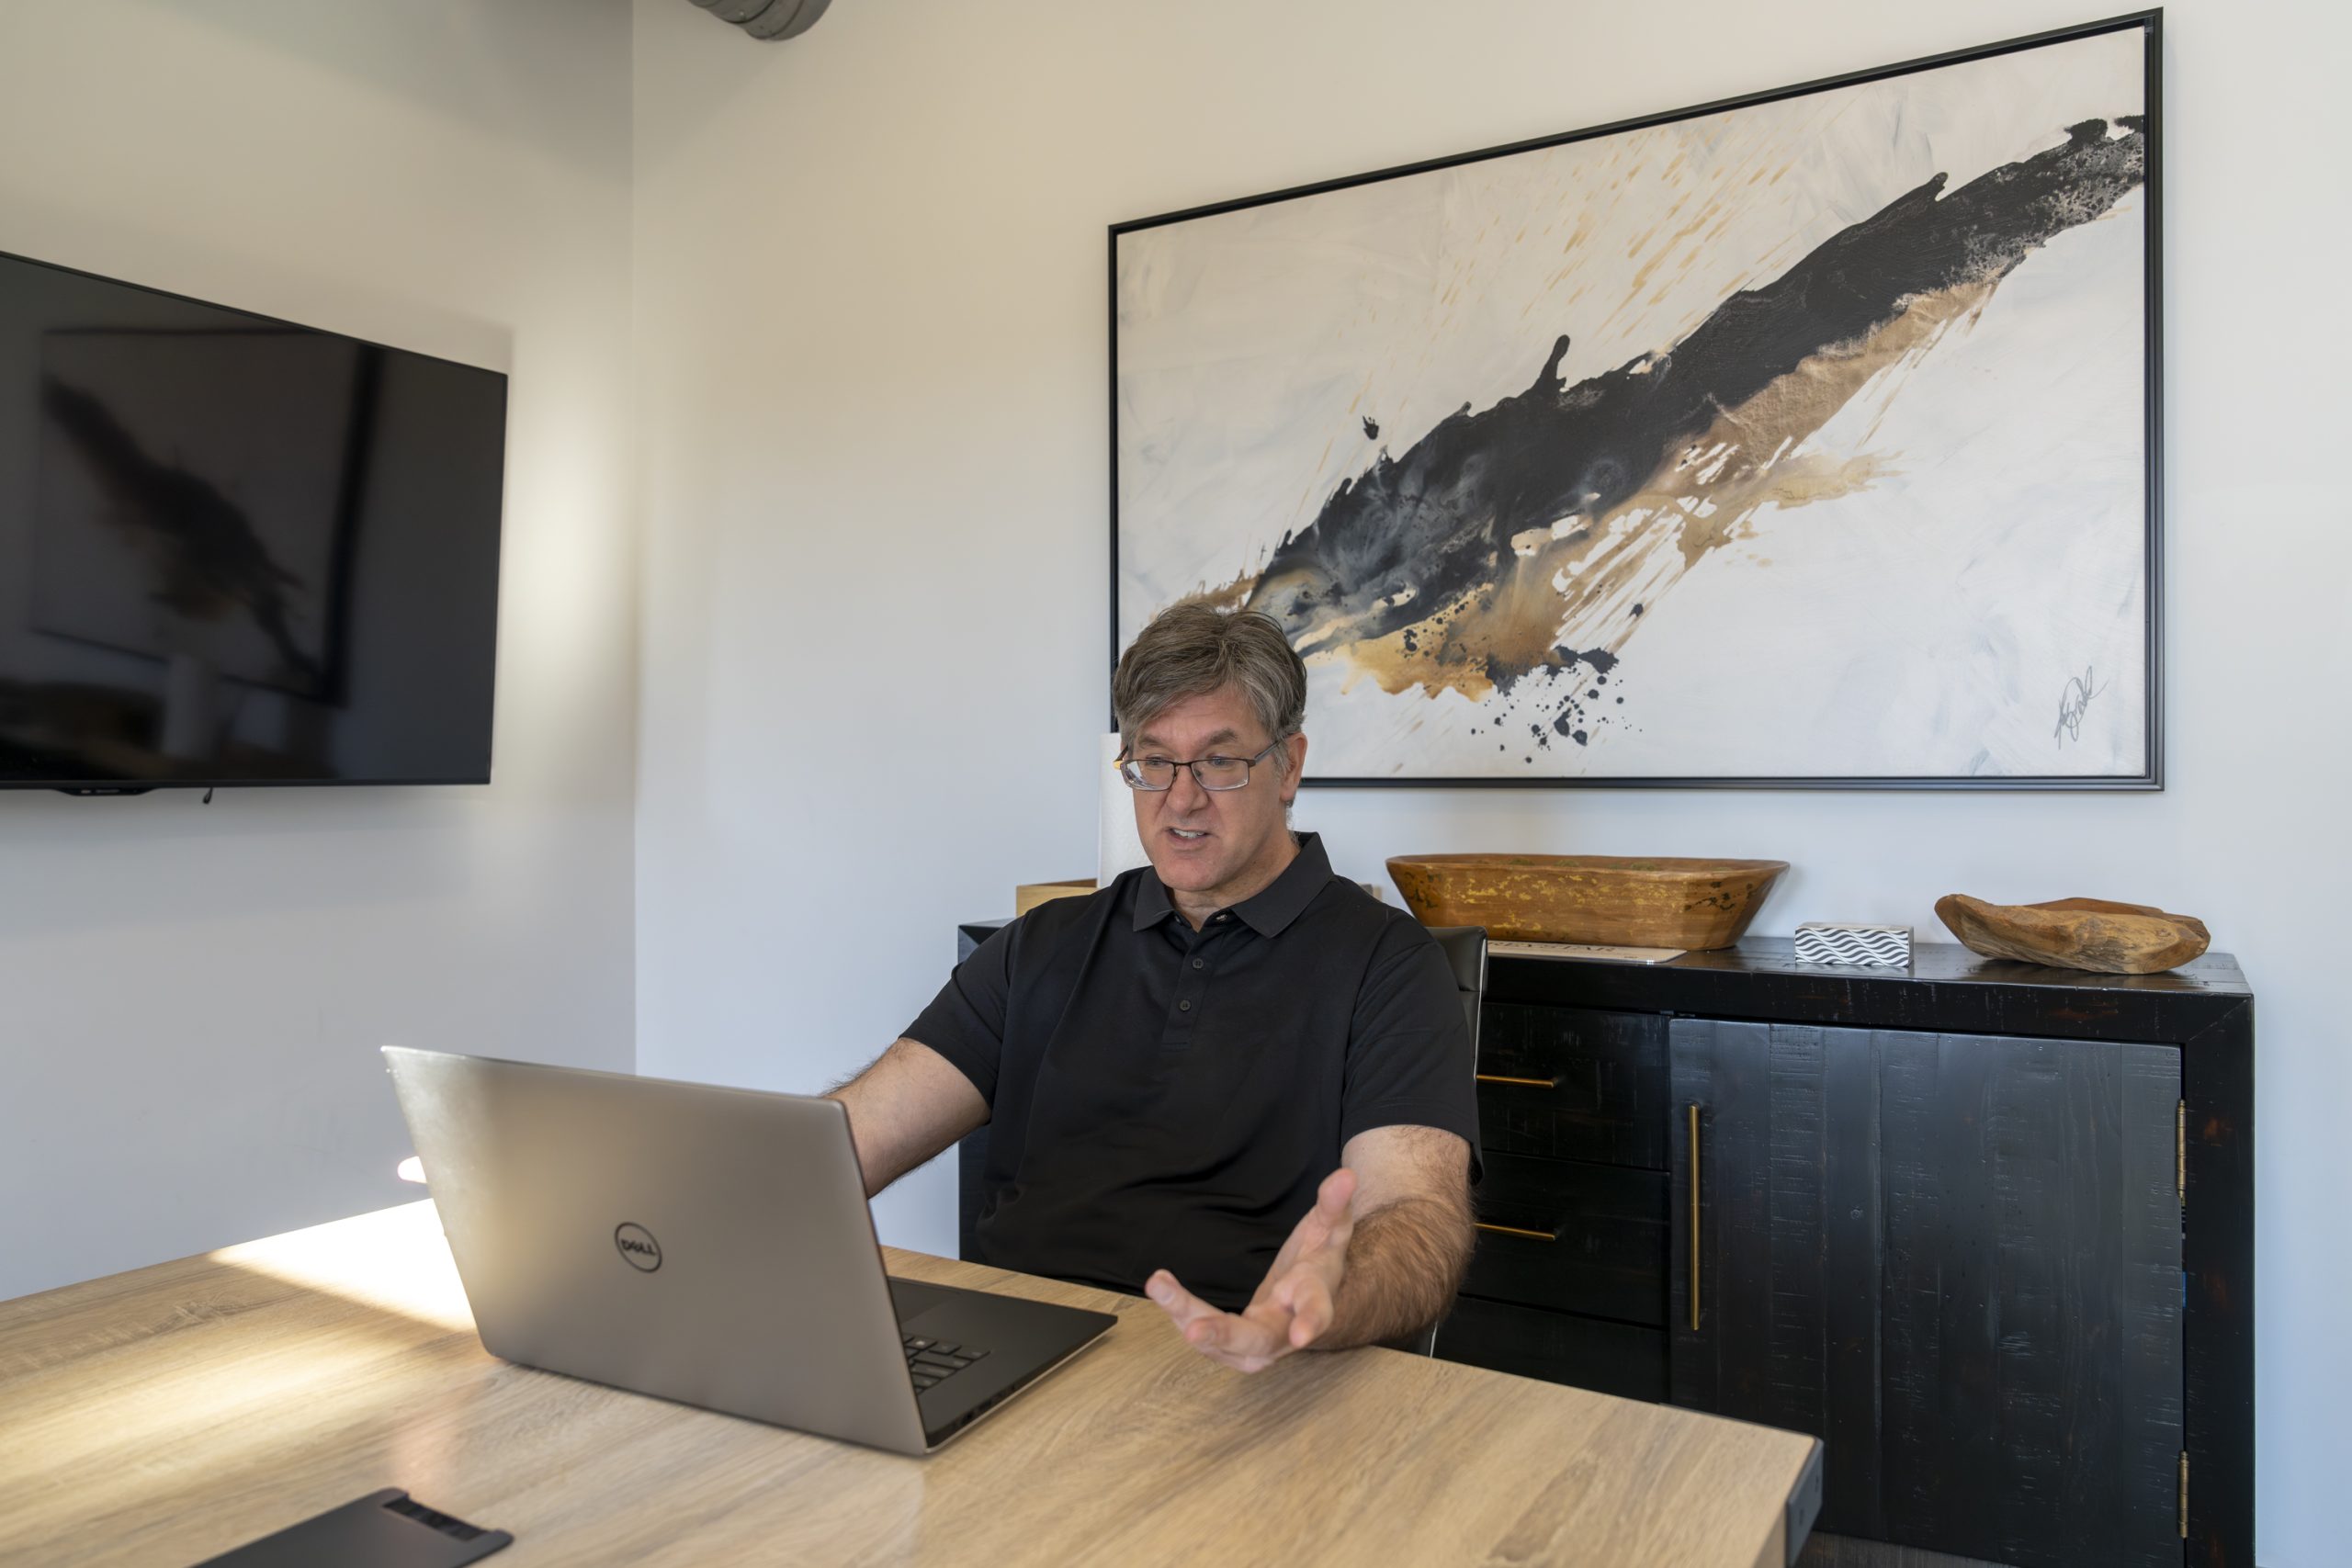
(2075, 933)
(1626, 900)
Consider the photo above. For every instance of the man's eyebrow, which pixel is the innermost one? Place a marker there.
(1219, 739)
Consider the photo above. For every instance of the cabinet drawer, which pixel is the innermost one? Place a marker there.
(1572, 1083)
(1570, 1236)
(1584, 1352)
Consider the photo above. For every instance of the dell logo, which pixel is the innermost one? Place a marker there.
(638, 1249)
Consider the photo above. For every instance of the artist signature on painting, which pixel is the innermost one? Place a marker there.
(2080, 690)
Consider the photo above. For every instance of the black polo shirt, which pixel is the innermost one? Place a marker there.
(1166, 1098)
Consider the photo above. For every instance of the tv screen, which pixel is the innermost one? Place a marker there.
(234, 550)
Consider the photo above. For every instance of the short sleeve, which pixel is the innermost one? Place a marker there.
(965, 1023)
(1409, 1061)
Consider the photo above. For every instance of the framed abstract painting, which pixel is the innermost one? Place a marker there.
(1806, 440)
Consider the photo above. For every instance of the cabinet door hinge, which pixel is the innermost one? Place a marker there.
(2180, 1150)
(2184, 1493)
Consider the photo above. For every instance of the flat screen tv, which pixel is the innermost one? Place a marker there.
(234, 550)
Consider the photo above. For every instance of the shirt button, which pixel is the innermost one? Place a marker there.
(1183, 1007)
(1200, 963)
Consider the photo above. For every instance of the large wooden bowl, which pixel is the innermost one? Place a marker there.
(1613, 900)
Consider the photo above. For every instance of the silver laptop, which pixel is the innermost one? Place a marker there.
(710, 1245)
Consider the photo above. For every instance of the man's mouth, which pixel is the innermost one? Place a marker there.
(1189, 835)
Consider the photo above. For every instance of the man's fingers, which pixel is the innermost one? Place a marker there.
(1260, 1334)
(1331, 1201)
(1326, 1221)
(1176, 1300)
(1261, 1337)
(1311, 1312)
(1292, 1306)
(1221, 1336)
(1329, 1223)
(1239, 1363)
(1248, 1342)
(1293, 1287)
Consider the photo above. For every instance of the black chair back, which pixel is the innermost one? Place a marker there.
(1465, 954)
(1465, 951)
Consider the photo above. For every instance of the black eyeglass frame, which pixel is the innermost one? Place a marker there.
(1248, 765)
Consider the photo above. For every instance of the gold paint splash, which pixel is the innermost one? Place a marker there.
(1581, 585)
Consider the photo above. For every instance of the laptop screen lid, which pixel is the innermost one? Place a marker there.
(707, 1244)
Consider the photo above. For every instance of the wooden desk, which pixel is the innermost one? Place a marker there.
(163, 1415)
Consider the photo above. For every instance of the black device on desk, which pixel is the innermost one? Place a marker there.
(383, 1530)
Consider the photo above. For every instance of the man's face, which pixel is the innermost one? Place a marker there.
(1216, 844)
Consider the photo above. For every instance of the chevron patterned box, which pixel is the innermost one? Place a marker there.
(1873, 947)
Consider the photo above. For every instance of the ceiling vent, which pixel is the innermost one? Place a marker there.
(769, 19)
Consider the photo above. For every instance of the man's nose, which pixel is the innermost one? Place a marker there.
(1185, 794)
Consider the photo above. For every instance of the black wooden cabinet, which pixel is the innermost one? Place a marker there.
(1953, 1257)
(1984, 1228)
(1569, 1283)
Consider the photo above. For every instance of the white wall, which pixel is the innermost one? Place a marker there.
(191, 997)
(871, 317)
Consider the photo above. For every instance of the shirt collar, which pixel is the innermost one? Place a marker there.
(1270, 910)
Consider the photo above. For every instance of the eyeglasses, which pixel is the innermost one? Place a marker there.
(1153, 775)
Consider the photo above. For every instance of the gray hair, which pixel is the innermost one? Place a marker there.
(1192, 647)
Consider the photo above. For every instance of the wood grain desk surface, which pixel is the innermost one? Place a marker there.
(165, 1414)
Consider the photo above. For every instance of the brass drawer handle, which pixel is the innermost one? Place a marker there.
(1530, 1083)
(1514, 1230)
(1694, 1218)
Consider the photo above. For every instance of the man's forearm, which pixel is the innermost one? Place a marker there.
(877, 1156)
(1405, 1262)
(905, 1108)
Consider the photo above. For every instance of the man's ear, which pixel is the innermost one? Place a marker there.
(1295, 748)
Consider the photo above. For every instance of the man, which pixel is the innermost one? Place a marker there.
(1231, 1081)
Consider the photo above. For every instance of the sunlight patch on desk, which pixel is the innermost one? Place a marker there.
(378, 1260)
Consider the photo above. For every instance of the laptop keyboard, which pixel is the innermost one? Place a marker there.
(931, 1361)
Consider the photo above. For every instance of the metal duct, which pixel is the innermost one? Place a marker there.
(768, 20)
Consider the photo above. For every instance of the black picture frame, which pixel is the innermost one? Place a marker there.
(2149, 23)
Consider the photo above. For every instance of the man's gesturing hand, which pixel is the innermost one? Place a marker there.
(1294, 1303)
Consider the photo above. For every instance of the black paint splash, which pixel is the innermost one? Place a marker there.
(1414, 538)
